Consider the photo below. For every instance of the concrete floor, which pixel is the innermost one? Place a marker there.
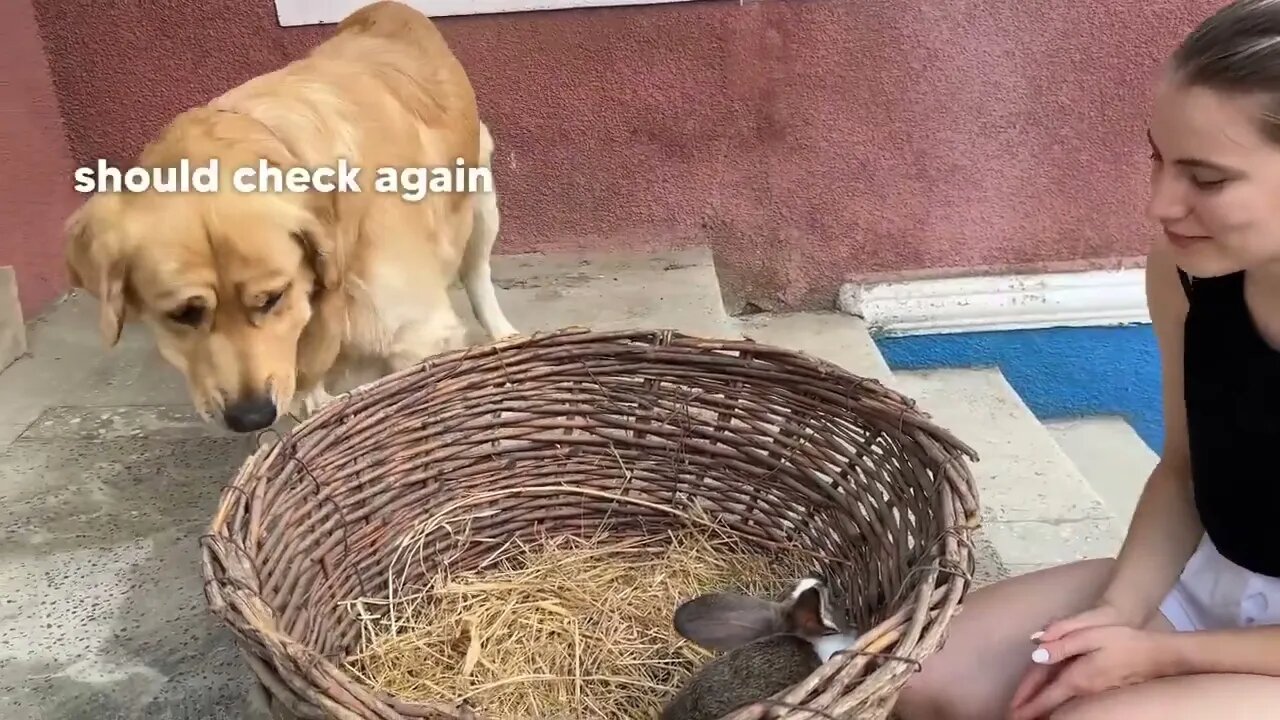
(106, 482)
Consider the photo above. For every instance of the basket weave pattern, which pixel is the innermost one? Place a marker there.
(547, 432)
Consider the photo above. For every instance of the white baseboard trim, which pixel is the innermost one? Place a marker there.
(999, 302)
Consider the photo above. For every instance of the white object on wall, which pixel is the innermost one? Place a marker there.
(293, 13)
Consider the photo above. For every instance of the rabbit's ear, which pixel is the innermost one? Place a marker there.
(724, 621)
(807, 612)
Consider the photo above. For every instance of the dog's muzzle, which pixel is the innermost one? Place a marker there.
(250, 414)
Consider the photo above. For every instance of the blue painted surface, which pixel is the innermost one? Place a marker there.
(1059, 372)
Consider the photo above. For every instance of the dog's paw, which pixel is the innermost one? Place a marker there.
(310, 402)
(504, 331)
(317, 399)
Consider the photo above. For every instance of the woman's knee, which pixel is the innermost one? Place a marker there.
(920, 699)
(920, 706)
(941, 692)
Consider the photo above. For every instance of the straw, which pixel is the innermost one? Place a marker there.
(565, 627)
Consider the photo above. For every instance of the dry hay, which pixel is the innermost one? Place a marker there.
(566, 627)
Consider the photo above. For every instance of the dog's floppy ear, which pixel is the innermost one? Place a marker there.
(320, 238)
(96, 264)
(321, 253)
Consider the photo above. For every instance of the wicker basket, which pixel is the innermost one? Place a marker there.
(800, 450)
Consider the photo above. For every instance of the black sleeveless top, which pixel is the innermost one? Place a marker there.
(1232, 388)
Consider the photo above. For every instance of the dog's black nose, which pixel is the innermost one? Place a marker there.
(251, 414)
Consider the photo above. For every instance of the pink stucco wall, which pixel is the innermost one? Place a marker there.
(807, 142)
(35, 163)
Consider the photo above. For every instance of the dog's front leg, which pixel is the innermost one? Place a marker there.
(441, 331)
(309, 402)
(318, 351)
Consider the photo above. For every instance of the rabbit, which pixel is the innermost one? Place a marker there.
(769, 646)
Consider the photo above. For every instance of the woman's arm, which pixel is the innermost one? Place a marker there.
(1254, 651)
(1165, 528)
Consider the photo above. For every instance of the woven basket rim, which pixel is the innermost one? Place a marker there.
(920, 621)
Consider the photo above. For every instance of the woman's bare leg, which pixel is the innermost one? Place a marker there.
(974, 675)
(1191, 697)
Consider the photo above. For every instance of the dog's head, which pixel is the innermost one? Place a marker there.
(225, 280)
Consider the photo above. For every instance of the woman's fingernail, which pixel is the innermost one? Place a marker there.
(1037, 636)
(1040, 656)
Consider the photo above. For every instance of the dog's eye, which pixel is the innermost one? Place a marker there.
(189, 314)
(270, 301)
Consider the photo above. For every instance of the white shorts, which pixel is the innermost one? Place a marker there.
(1214, 593)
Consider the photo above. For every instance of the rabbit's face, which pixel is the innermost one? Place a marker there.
(808, 611)
(725, 621)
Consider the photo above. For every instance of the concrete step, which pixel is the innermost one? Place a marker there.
(13, 332)
(1111, 456)
(612, 291)
(832, 336)
(1038, 509)
(844, 340)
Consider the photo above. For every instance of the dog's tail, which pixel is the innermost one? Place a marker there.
(394, 21)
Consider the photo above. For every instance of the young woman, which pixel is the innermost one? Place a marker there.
(1185, 622)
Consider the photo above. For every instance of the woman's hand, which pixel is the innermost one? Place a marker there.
(1102, 615)
(1039, 675)
(1089, 657)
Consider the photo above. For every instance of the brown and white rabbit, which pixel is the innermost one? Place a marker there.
(769, 646)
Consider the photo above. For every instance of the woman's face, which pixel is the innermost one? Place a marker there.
(1215, 180)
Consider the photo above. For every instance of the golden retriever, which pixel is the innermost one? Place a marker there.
(260, 298)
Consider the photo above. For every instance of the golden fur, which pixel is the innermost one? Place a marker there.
(261, 298)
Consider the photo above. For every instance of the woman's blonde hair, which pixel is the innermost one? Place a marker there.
(1237, 50)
